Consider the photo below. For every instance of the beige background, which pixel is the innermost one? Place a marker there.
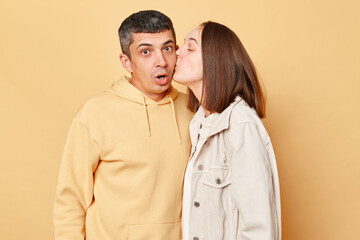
(55, 54)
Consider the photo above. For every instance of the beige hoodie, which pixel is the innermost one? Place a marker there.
(122, 168)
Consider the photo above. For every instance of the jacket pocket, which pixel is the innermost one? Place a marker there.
(217, 182)
(217, 177)
(159, 231)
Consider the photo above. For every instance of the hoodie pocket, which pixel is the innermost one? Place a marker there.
(158, 231)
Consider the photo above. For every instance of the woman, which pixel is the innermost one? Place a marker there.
(231, 187)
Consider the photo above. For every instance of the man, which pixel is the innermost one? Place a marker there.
(122, 169)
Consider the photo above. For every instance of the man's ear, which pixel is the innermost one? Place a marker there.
(126, 62)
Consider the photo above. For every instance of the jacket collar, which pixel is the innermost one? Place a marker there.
(220, 123)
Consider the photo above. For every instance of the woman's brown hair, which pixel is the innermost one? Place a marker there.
(227, 72)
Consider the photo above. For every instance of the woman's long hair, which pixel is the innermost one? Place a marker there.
(227, 72)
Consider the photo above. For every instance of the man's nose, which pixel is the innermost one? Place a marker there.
(161, 60)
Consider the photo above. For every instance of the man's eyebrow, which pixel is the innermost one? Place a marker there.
(150, 45)
(168, 41)
(144, 44)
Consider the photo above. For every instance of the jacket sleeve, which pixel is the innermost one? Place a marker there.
(74, 191)
(251, 183)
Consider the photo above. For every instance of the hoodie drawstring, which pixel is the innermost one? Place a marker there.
(173, 113)
(174, 117)
(146, 116)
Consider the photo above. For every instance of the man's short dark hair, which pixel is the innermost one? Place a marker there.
(148, 21)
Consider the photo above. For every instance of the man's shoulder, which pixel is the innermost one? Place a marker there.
(96, 101)
(94, 105)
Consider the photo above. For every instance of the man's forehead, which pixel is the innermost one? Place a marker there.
(153, 38)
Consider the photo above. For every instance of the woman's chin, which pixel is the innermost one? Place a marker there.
(187, 81)
(178, 79)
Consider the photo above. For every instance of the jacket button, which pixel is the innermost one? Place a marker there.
(201, 167)
(195, 238)
(218, 181)
(196, 204)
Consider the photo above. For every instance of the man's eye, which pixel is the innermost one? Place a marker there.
(145, 52)
(168, 49)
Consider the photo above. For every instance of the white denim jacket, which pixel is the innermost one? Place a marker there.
(234, 181)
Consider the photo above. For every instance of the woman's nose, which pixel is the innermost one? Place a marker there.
(178, 52)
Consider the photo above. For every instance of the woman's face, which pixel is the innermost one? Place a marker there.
(189, 66)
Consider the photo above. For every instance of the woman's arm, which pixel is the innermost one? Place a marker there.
(252, 183)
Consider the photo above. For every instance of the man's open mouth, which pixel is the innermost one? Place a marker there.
(161, 76)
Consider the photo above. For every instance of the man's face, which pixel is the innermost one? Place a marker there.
(152, 62)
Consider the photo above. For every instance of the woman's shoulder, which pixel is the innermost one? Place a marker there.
(242, 113)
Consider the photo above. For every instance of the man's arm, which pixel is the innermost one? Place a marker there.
(74, 191)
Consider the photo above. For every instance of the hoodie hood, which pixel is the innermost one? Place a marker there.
(123, 88)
